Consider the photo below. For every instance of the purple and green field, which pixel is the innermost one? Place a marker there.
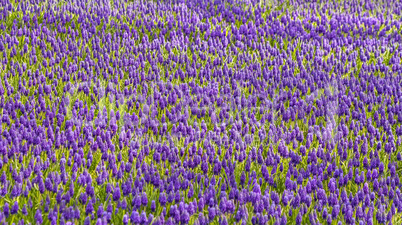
(200, 112)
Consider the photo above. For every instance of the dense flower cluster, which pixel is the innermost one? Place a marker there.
(200, 112)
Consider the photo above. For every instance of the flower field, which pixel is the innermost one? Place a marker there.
(200, 112)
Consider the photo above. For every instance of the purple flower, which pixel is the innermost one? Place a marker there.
(283, 220)
(162, 199)
(6, 209)
(116, 193)
(201, 204)
(135, 217)
(125, 219)
(15, 208)
(38, 217)
(153, 206)
(144, 199)
(87, 221)
(24, 210)
(89, 209)
(329, 219)
(83, 198)
(185, 217)
(298, 219)
(211, 213)
(100, 210)
(143, 218)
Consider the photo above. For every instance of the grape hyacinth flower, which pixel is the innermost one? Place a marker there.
(200, 112)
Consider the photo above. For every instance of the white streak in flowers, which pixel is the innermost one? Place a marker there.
(332, 108)
(328, 94)
(274, 113)
(101, 92)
